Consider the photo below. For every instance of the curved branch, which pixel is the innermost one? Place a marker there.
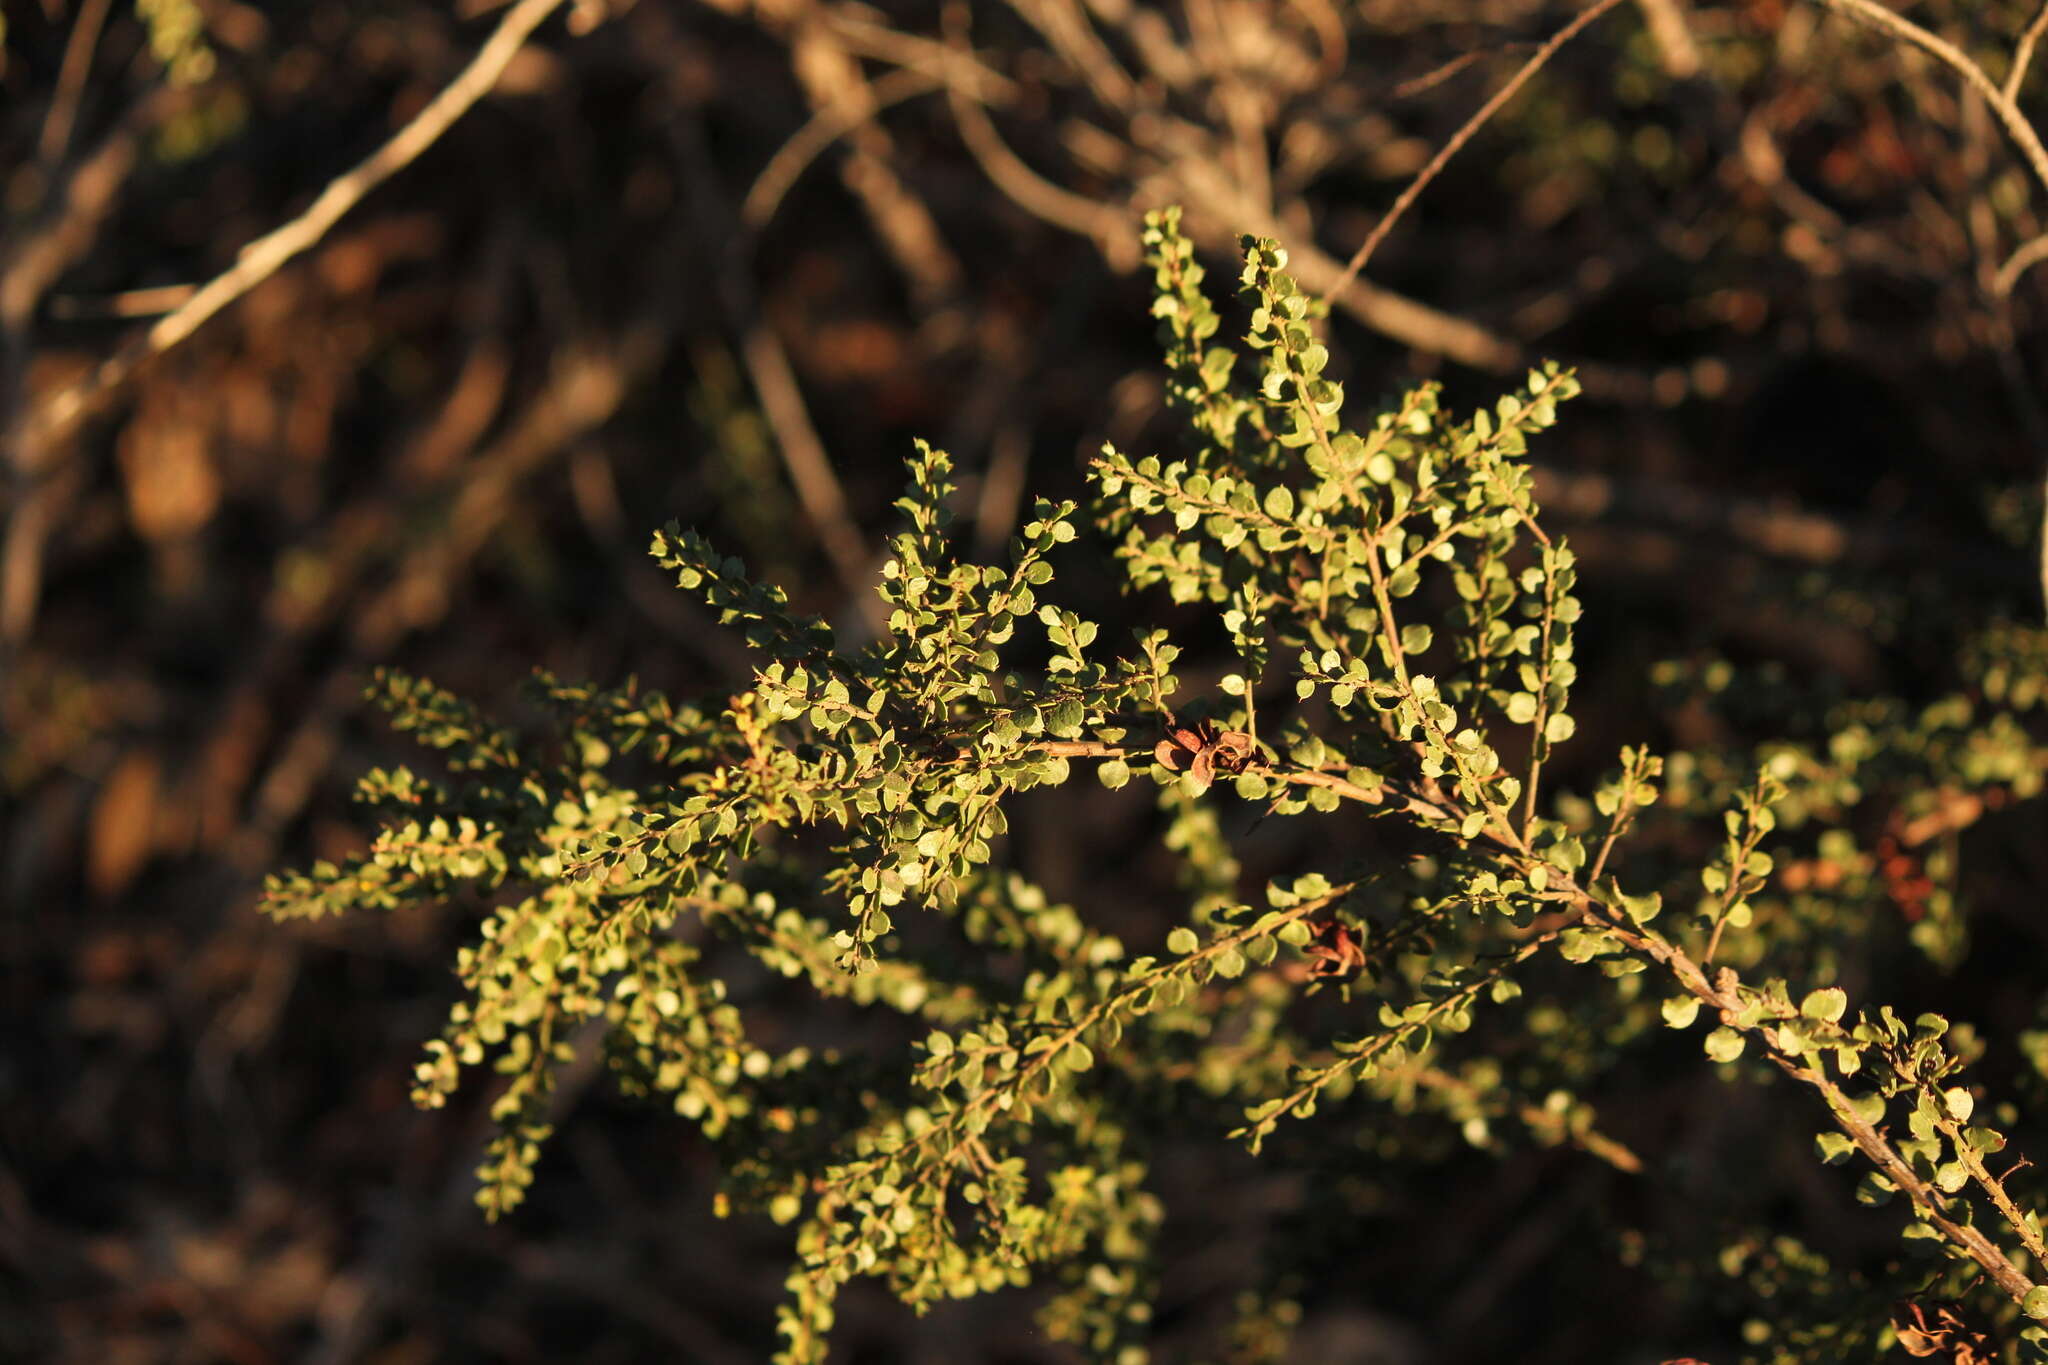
(2024, 257)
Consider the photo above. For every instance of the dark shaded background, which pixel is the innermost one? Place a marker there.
(441, 439)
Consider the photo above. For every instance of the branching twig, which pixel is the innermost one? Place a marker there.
(2023, 55)
(2002, 104)
(263, 257)
(1458, 139)
(824, 128)
(831, 76)
(1102, 223)
(1955, 59)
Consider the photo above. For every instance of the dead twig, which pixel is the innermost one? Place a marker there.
(1067, 31)
(903, 223)
(1431, 79)
(2022, 133)
(2006, 109)
(262, 258)
(34, 492)
(826, 126)
(2023, 55)
(78, 50)
(128, 303)
(1109, 227)
(1465, 134)
(2024, 258)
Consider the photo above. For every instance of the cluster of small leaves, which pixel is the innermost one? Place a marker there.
(1875, 800)
(2009, 664)
(1819, 1312)
(1740, 870)
(1200, 372)
(1402, 629)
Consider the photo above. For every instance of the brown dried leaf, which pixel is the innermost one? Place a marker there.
(1233, 750)
(1937, 1328)
(1337, 950)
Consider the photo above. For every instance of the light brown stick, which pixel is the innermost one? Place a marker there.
(2023, 55)
(57, 125)
(263, 257)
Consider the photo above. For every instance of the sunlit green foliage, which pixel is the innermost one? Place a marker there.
(1402, 626)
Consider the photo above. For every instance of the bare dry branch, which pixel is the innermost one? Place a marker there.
(263, 257)
(2024, 258)
(832, 77)
(1067, 31)
(2023, 55)
(153, 301)
(1464, 134)
(1876, 16)
(1431, 79)
(803, 453)
(78, 50)
(27, 272)
(825, 127)
(2007, 111)
(1085, 217)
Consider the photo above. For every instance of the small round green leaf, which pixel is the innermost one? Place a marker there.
(1825, 1005)
(1680, 1011)
(1834, 1148)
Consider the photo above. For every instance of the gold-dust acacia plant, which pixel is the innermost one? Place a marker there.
(1403, 626)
